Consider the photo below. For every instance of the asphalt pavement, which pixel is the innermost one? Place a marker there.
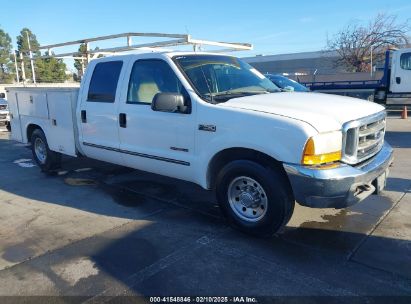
(95, 230)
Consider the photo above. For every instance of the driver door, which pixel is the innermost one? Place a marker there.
(158, 142)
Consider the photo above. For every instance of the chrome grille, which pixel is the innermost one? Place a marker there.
(363, 138)
(3, 107)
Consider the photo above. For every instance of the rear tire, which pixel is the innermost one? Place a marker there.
(46, 159)
(255, 199)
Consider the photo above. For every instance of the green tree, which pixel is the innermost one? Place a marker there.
(23, 48)
(46, 69)
(77, 62)
(50, 70)
(6, 65)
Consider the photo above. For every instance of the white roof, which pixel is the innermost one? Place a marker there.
(292, 56)
(165, 53)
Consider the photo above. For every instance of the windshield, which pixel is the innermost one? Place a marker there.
(219, 78)
(284, 82)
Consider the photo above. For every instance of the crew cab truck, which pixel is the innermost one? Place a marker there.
(213, 120)
(394, 88)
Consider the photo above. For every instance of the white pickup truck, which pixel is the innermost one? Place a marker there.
(213, 120)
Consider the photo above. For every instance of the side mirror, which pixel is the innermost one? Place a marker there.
(168, 102)
(2, 95)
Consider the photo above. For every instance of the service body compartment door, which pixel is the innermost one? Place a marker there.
(401, 74)
(61, 132)
(33, 104)
(15, 122)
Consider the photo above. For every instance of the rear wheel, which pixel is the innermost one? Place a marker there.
(256, 199)
(46, 159)
(380, 96)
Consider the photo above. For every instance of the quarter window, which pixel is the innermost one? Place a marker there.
(405, 61)
(149, 77)
(103, 84)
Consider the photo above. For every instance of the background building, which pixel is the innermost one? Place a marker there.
(305, 63)
(308, 66)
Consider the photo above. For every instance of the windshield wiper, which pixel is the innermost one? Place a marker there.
(226, 95)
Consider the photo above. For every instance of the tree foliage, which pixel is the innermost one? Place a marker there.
(6, 64)
(46, 69)
(78, 64)
(356, 41)
(23, 48)
(50, 70)
(82, 50)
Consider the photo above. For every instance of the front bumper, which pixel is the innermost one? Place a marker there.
(4, 116)
(340, 186)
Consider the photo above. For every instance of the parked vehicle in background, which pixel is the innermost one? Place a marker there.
(4, 112)
(213, 120)
(287, 84)
(394, 88)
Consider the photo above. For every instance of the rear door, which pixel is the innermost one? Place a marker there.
(401, 76)
(99, 111)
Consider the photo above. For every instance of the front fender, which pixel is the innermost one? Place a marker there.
(279, 137)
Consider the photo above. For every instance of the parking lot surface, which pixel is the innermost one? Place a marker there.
(94, 229)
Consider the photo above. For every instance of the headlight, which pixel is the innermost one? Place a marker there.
(322, 148)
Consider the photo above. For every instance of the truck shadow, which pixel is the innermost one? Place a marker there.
(179, 241)
(184, 254)
(398, 184)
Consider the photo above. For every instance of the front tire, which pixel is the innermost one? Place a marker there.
(8, 126)
(255, 199)
(46, 159)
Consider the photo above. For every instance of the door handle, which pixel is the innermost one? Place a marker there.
(83, 116)
(122, 119)
(398, 80)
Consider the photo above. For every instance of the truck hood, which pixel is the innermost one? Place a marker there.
(324, 112)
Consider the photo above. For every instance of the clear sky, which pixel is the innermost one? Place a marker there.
(273, 27)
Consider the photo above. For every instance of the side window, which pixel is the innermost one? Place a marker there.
(405, 61)
(149, 77)
(103, 84)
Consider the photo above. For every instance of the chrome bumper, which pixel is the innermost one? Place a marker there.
(341, 186)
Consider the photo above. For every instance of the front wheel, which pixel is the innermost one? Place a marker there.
(256, 199)
(46, 159)
(8, 126)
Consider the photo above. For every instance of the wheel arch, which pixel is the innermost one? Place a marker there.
(223, 157)
(30, 129)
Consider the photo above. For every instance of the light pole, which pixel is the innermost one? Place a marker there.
(23, 71)
(16, 66)
(31, 58)
(371, 62)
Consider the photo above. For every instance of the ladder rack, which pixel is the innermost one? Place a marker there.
(171, 40)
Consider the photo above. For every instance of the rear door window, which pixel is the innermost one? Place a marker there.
(103, 84)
